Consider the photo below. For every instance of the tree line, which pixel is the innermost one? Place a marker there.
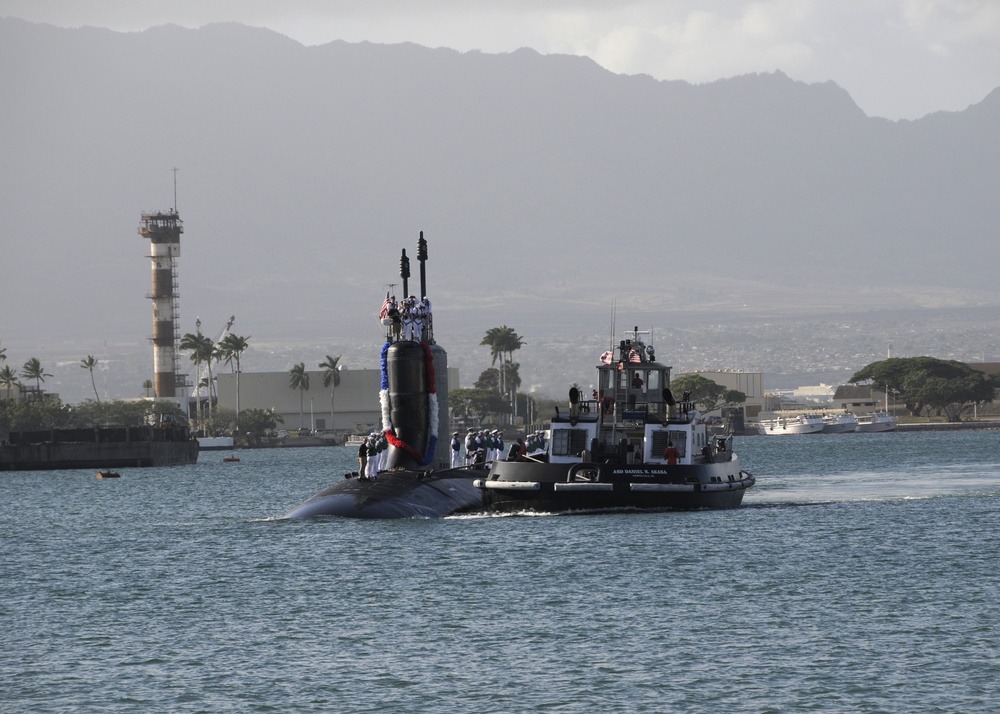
(930, 386)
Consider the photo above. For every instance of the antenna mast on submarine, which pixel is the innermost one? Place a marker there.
(404, 273)
(422, 257)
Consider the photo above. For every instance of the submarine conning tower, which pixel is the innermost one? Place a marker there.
(414, 396)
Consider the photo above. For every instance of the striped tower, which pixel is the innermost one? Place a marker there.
(164, 233)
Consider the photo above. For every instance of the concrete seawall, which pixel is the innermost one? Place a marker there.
(100, 448)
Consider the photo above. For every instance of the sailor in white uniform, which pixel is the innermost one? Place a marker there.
(407, 316)
(417, 310)
(470, 447)
(425, 305)
(456, 449)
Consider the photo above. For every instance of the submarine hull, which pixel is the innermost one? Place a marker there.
(397, 494)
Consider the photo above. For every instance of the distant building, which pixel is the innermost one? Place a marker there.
(355, 401)
(750, 383)
(816, 393)
(20, 392)
(858, 398)
(13, 393)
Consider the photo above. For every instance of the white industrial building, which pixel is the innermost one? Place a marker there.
(352, 407)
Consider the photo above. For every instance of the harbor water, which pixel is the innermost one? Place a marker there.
(860, 575)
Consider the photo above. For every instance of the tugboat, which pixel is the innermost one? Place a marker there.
(632, 445)
(416, 480)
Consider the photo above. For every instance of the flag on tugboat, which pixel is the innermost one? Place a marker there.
(383, 313)
(606, 358)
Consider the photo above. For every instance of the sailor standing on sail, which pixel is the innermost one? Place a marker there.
(407, 318)
(417, 310)
(395, 321)
(428, 319)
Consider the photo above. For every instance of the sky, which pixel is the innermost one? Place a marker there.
(898, 59)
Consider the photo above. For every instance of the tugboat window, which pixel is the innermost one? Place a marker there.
(674, 437)
(568, 442)
(653, 381)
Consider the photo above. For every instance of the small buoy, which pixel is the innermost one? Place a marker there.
(108, 474)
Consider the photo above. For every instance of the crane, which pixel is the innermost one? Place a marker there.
(225, 330)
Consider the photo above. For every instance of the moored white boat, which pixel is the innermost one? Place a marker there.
(215, 443)
(876, 421)
(839, 423)
(799, 424)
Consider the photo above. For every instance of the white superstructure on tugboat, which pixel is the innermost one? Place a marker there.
(631, 445)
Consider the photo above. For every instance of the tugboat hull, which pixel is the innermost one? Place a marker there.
(521, 486)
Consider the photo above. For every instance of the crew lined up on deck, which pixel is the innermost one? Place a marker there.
(483, 447)
(372, 454)
(408, 319)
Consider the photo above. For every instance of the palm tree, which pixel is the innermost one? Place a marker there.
(492, 340)
(503, 342)
(232, 348)
(32, 369)
(8, 378)
(331, 378)
(89, 362)
(146, 386)
(299, 379)
(512, 375)
(201, 349)
(3, 354)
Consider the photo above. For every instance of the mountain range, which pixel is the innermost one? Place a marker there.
(549, 189)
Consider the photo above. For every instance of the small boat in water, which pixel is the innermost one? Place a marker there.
(108, 474)
(799, 424)
(839, 423)
(876, 421)
(631, 446)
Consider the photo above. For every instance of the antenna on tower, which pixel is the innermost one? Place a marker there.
(175, 189)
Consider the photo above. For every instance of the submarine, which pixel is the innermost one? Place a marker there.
(417, 480)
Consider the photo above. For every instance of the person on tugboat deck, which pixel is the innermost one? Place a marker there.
(671, 453)
(636, 388)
